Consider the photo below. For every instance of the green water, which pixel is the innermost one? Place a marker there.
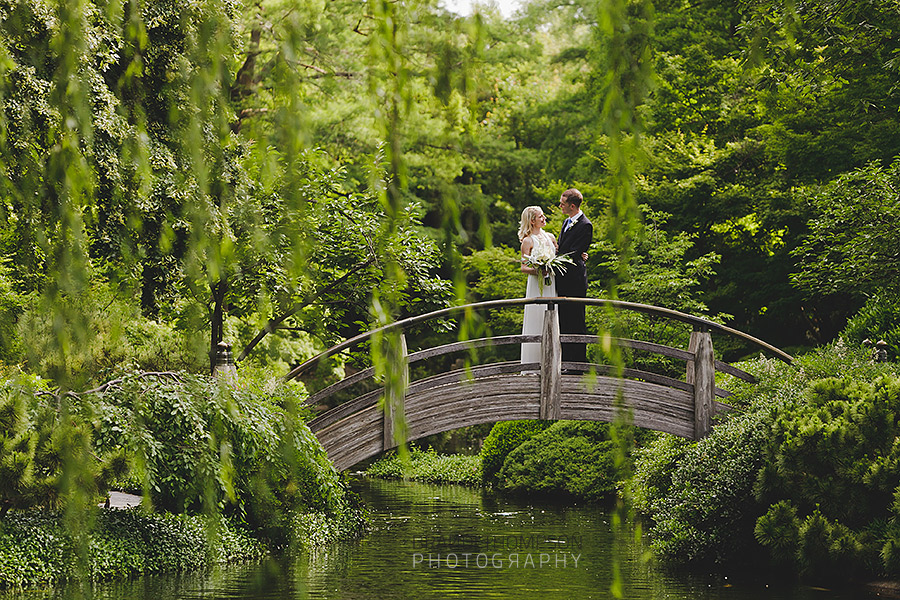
(430, 542)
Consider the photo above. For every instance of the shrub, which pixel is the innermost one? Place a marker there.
(200, 444)
(192, 442)
(654, 465)
(38, 435)
(707, 511)
(573, 458)
(835, 451)
(113, 335)
(429, 466)
(308, 530)
(10, 308)
(37, 550)
(16, 451)
(504, 437)
(877, 320)
(805, 477)
(779, 530)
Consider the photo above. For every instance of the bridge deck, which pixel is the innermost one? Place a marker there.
(503, 398)
(367, 425)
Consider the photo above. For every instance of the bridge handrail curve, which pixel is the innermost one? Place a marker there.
(618, 304)
(429, 353)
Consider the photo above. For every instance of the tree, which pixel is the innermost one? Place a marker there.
(176, 193)
(659, 272)
(16, 452)
(851, 246)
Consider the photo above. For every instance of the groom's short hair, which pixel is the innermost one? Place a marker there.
(573, 196)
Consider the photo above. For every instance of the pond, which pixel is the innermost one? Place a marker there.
(430, 542)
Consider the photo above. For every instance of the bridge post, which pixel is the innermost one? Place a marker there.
(701, 373)
(393, 401)
(551, 364)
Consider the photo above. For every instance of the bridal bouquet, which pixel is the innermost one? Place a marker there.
(544, 261)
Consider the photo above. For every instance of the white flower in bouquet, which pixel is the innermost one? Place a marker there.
(541, 254)
(543, 260)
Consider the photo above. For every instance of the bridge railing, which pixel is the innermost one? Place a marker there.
(700, 363)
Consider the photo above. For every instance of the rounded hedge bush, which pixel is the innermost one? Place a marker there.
(505, 437)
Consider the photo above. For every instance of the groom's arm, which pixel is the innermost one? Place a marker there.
(581, 238)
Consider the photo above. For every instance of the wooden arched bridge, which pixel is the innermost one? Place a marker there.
(365, 426)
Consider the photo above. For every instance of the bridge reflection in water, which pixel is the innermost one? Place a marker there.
(365, 426)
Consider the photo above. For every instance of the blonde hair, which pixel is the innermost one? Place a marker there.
(528, 216)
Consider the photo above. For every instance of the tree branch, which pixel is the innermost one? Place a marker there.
(273, 324)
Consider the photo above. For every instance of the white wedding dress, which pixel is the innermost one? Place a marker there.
(533, 321)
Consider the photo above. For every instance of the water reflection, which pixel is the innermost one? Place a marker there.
(431, 542)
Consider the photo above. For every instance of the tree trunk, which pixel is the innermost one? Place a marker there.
(217, 320)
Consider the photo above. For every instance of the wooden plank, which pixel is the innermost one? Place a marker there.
(592, 368)
(481, 371)
(477, 371)
(393, 400)
(514, 394)
(458, 376)
(421, 355)
(428, 427)
(651, 406)
(347, 433)
(551, 361)
(345, 410)
(428, 353)
(720, 408)
(734, 371)
(650, 415)
(668, 351)
(350, 441)
(119, 500)
(340, 385)
(466, 345)
(651, 347)
(603, 392)
(616, 304)
(364, 447)
(702, 374)
(510, 396)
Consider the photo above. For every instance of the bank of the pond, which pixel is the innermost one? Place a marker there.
(564, 459)
(37, 550)
(428, 466)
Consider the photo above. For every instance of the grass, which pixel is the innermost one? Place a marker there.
(430, 467)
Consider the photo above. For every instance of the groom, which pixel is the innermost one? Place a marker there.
(574, 240)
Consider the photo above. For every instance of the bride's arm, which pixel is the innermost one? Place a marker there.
(527, 246)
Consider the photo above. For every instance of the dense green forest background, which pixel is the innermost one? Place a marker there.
(279, 174)
(284, 174)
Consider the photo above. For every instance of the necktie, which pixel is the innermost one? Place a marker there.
(566, 224)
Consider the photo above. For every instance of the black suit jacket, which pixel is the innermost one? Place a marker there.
(574, 242)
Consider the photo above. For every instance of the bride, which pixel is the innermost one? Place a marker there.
(535, 241)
